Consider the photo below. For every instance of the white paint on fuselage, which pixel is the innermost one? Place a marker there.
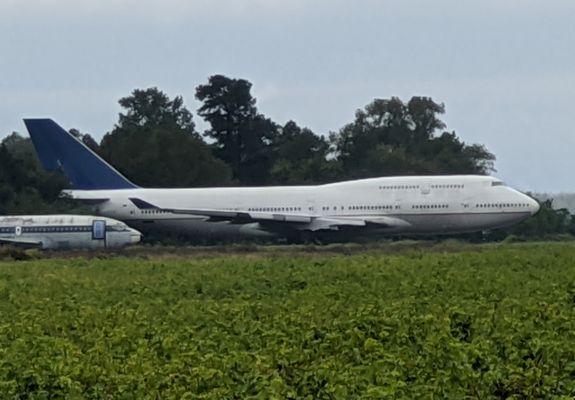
(431, 204)
(66, 231)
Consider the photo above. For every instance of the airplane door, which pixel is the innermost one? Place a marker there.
(99, 230)
(310, 204)
(18, 230)
(425, 188)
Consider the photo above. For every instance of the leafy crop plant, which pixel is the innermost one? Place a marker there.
(488, 323)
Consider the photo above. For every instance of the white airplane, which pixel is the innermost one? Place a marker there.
(66, 232)
(391, 205)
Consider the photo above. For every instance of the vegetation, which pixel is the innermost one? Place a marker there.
(155, 144)
(497, 321)
(390, 137)
(24, 186)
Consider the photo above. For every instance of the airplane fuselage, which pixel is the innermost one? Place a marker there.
(66, 232)
(392, 205)
(421, 204)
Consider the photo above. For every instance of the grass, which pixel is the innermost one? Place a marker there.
(447, 320)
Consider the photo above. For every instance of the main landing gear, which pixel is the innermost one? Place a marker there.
(305, 237)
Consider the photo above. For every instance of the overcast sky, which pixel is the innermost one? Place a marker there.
(505, 69)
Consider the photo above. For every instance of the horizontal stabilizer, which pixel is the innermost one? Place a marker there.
(142, 205)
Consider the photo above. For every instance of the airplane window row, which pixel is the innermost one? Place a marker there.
(499, 205)
(396, 187)
(377, 207)
(52, 229)
(154, 212)
(447, 186)
(326, 208)
(275, 209)
(429, 206)
(45, 229)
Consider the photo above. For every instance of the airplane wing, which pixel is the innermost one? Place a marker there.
(298, 221)
(21, 242)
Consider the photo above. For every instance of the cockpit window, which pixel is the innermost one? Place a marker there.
(497, 183)
(117, 228)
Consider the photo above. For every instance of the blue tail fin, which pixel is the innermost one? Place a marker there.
(58, 150)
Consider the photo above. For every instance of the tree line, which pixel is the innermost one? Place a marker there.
(155, 143)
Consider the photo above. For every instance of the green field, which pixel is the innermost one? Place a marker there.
(481, 322)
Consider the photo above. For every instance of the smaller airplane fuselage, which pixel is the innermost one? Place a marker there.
(66, 232)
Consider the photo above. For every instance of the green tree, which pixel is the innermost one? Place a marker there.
(152, 107)
(243, 137)
(155, 144)
(85, 138)
(390, 137)
(548, 221)
(24, 186)
(300, 157)
(7, 179)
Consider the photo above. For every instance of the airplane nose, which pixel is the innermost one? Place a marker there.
(534, 206)
(135, 236)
